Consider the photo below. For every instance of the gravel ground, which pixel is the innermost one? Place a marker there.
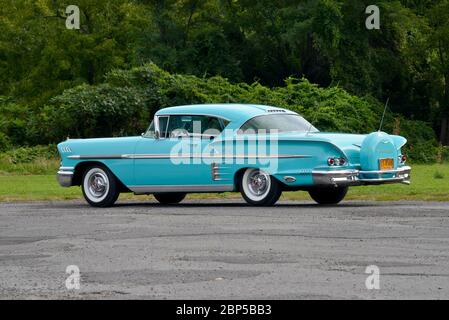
(214, 249)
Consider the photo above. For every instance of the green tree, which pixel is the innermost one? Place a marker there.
(41, 57)
(438, 42)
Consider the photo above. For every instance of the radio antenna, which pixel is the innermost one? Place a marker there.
(383, 115)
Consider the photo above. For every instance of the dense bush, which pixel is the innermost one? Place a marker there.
(92, 111)
(444, 154)
(29, 154)
(30, 160)
(266, 41)
(126, 101)
(5, 143)
(13, 123)
(422, 145)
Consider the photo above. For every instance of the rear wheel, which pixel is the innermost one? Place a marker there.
(169, 197)
(100, 186)
(327, 196)
(258, 188)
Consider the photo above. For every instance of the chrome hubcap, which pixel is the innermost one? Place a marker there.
(258, 182)
(98, 184)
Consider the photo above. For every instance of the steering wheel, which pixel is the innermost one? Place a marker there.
(177, 133)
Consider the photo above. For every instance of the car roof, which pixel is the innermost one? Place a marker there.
(231, 112)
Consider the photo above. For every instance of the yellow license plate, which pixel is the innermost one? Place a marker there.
(386, 164)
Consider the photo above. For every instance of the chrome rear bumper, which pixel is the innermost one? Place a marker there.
(65, 176)
(356, 177)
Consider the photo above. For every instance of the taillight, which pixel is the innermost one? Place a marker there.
(336, 161)
(402, 158)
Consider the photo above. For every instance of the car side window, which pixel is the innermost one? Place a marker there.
(187, 125)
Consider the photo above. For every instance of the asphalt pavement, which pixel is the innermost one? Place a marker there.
(224, 249)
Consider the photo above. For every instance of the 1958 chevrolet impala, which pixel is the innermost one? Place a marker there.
(257, 150)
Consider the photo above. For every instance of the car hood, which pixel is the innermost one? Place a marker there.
(98, 146)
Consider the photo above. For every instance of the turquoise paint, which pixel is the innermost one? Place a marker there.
(361, 151)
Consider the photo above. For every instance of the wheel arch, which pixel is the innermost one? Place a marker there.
(239, 174)
(81, 167)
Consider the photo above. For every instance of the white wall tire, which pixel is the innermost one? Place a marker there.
(99, 187)
(258, 188)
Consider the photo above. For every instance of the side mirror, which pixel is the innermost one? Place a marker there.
(157, 134)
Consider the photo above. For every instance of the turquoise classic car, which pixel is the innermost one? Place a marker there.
(256, 150)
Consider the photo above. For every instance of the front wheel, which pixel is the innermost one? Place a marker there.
(100, 187)
(328, 196)
(258, 188)
(169, 197)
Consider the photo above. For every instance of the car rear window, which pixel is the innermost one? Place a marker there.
(279, 122)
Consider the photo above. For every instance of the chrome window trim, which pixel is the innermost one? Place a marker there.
(157, 125)
(193, 114)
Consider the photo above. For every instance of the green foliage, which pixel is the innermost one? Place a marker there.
(40, 57)
(87, 111)
(29, 154)
(90, 82)
(331, 109)
(30, 160)
(125, 103)
(5, 143)
(438, 175)
(422, 146)
(445, 154)
(13, 123)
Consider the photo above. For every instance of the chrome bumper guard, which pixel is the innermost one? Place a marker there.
(65, 176)
(357, 177)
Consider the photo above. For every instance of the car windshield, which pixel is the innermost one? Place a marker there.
(279, 122)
